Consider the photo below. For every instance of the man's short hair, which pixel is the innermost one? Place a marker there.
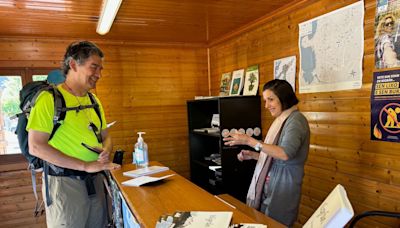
(80, 51)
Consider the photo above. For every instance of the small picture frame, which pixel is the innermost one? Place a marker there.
(285, 69)
(251, 81)
(236, 83)
(225, 84)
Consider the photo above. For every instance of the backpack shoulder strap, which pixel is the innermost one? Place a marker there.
(59, 110)
(28, 106)
(96, 107)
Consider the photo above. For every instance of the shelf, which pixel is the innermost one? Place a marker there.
(205, 163)
(217, 135)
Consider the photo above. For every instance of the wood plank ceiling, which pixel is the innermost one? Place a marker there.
(189, 21)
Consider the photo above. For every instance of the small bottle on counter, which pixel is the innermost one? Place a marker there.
(140, 156)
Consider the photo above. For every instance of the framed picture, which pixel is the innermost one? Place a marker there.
(285, 69)
(251, 81)
(225, 84)
(236, 83)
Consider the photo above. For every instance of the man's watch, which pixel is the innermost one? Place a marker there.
(258, 146)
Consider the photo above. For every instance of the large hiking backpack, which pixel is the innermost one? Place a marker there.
(28, 95)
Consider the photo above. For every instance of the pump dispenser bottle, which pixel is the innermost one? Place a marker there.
(141, 155)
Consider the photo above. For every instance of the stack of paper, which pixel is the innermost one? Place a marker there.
(194, 219)
(144, 180)
(145, 171)
(335, 211)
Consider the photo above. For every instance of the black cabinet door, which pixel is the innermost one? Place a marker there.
(236, 113)
(234, 177)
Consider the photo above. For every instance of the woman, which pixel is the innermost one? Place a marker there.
(385, 54)
(276, 185)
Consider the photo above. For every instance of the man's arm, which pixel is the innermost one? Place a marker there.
(107, 142)
(39, 147)
(104, 156)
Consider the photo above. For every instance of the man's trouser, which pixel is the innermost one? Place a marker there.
(72, 206)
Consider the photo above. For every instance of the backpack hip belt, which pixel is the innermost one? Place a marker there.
(75, 174)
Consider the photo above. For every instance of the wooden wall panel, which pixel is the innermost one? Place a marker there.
(341, 150)
(154, 84)
(17, 200)
(143, 88)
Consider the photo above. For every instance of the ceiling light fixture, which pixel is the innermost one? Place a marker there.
(108, 13)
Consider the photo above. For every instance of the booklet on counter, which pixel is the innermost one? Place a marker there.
(195, 219)
(248, 225)
(145, 171)
(144, 180)
(335, 211)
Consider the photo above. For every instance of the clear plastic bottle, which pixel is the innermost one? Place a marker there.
(141, 157)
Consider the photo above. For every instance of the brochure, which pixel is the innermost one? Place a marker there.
(248, 225)
(144, 180)
(335, 211)
(145, 171)
(194, 219)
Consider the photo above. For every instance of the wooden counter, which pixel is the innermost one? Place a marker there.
(149, 202)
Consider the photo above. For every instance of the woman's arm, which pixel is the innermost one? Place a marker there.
(389, 55)
(243, 139)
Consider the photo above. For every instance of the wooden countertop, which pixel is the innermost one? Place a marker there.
(175, 193)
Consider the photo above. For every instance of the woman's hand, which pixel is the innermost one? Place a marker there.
(237, 139)
(247, 155)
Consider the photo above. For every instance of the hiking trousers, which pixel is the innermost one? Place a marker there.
(71, 206)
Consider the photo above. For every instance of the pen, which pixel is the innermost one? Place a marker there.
(91, 148)
(225, 202)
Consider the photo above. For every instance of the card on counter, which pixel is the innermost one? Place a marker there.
(145, 171)
(144, 180)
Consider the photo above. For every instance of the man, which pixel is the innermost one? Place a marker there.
(76, 192)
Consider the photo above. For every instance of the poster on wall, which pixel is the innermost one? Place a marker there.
(387, 34)
(236, 82)
(331, 50)
(385, 106)
(225, 84)
(251, 81)
(285, 69)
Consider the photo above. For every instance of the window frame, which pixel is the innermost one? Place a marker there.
(26, 74)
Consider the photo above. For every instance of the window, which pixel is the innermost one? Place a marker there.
(9, 103)
(39, 77)
(11, 82)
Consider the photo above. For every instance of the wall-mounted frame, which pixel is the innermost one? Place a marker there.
(237, 82)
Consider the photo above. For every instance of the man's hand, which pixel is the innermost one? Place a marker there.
(96, 166)
(104, 156)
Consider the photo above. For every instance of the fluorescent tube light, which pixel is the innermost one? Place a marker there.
(108, 13)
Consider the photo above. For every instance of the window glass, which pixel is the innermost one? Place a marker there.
(39, 77)
(9, 106)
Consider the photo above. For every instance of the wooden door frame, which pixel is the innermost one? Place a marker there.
(17, 161)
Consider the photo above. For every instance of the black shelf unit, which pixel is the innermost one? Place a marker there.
(234, 112)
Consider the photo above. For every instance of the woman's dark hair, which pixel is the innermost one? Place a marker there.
(80, 52)
(284, 91)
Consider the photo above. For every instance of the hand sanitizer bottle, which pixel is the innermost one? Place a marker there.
(141, 155)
